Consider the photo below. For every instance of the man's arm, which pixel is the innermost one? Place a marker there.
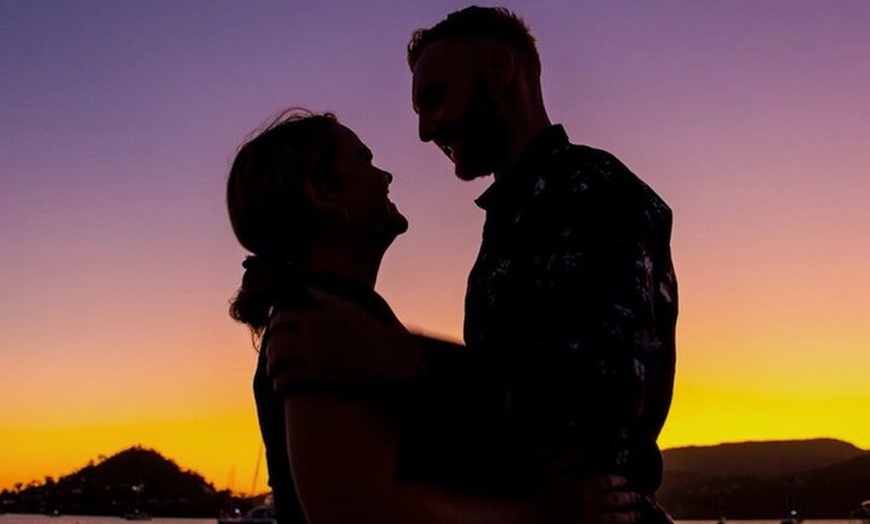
(661, 366)
(310, 345)
(609, 335)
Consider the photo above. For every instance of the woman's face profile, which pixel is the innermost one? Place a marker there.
(361, 188)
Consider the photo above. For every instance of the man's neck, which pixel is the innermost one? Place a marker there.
(521, 139)
(519, 145)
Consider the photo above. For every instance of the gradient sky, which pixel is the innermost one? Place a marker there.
(120, 119)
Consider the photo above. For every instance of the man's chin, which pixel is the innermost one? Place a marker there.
(468, 173)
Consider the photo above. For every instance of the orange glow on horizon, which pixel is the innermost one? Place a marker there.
(222, 447)
(749, 118)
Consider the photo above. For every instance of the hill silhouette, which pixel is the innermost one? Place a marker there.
(135, 478)
(768, 459)
(822, 478)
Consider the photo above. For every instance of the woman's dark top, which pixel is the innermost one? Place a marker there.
(270, 404)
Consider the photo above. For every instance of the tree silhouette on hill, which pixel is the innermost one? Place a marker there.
(136, 478)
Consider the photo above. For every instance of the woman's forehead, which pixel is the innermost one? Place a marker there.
(345, 134)
(347, 138)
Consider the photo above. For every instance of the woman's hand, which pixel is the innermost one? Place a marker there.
(594, 500)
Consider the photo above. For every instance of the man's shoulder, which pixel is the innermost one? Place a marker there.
(589, 165)
(598, 177)
(592, 162)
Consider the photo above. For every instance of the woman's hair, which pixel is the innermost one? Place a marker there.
(268, 210)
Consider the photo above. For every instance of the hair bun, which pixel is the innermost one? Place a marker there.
(274, 276)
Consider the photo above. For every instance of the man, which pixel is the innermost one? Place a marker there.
(571, 305)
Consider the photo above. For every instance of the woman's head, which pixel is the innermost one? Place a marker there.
(265, 199)
(304, 179)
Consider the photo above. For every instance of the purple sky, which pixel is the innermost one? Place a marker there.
(120, 119)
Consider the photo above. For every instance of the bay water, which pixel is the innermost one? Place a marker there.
(19, 518)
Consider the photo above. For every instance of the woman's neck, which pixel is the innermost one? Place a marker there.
(351, 262)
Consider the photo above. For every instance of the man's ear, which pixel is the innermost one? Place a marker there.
(501, 66)
(319, 195)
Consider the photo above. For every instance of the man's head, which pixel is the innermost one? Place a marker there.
(476, 87)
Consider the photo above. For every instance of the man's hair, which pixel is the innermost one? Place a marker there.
(476, 22)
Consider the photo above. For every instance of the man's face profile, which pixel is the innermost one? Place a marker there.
(456, 108)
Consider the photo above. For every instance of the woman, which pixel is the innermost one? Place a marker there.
(306, 201)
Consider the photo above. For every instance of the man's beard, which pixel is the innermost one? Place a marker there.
(484, 137)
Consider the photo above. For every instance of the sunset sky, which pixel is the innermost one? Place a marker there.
(120, 119)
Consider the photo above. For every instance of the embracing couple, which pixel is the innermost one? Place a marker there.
(551, 409)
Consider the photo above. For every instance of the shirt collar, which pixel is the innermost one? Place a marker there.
(517, 180)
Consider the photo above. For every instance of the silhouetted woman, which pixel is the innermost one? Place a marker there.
(305, 199)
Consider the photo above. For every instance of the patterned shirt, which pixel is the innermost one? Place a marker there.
(571, 307)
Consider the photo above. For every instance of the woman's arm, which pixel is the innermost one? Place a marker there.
(343, 455)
